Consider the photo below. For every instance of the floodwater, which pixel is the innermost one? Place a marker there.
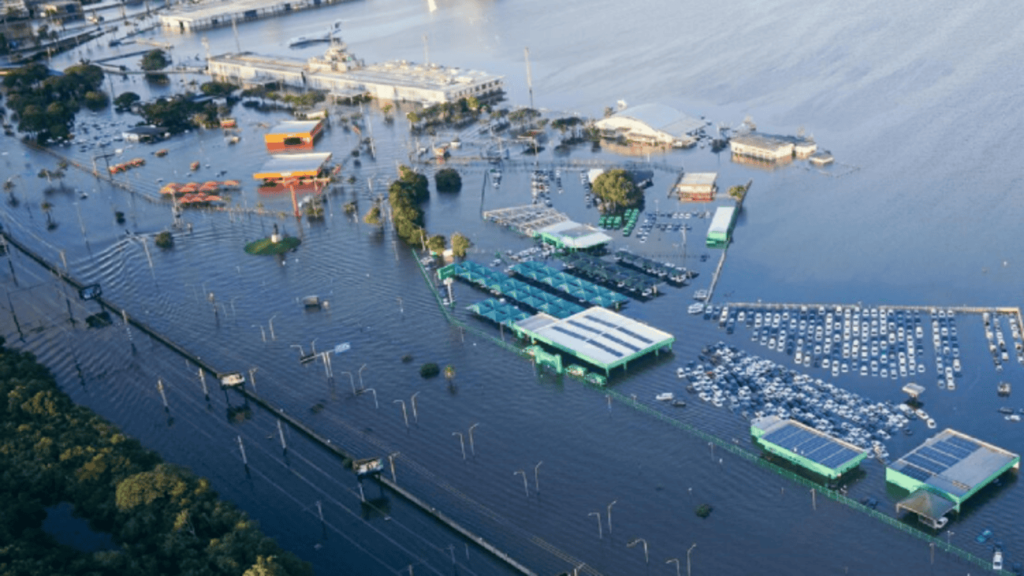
(919, 209)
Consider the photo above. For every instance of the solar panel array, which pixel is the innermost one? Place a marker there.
(815, 447)
(928, 461)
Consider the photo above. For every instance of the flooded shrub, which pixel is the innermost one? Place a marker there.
(429, 370)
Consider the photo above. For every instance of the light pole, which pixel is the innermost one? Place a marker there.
(461, 443)
(600, 533)
(391, 460)
(688, 558)
(676, 560)
(640, 541)
(271, 324)
(536, 476)
(471, 447)
(576, 570)
(415, 416)
(351, 381)
(526, 486)
(404, 414)
(948, 534)
(374, 392)
(252, 377)
(610, 515)
(262, 331)
(361, 375)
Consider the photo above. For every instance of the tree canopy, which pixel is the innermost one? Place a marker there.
(154, 60)
(615, 188)
(164, 519)
(460, 245)
(437, 243)
(448, 180)
(46, 105)
(125, 100)
(405, 194)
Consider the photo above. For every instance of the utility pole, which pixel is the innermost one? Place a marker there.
(529, 79)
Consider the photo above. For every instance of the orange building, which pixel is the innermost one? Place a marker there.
(293, 135)
(298, 168)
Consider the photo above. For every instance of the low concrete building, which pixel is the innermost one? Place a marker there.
(653, 124)
(191, 17)
(293, 135)
(341, 74)
(697, 187)
(144, 134)
(771, 147)
(62, 9)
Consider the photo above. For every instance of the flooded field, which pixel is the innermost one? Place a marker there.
(907, 217)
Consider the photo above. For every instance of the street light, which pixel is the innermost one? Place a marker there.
(688, 558)
(252, 377)
(404, 414)
(610, 515)
(271, 324)
(351, 381)
(262, 331)
(374, 392)
(361, 375)
(526, 486)
(600, 534)
(415, 416)
(640, 541)
(391, 459)
(676, 560)
(461, 443)
(471, 447)
(536, 476)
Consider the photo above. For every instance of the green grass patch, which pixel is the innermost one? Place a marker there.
(265, 247)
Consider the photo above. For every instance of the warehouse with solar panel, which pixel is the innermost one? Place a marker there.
(944, 472)
(806, 447)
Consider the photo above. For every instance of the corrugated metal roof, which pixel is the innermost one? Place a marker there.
(664, 118)
(720, 223)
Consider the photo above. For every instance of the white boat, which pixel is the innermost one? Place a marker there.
(665, 397)
(931, 423)
(695, 308)
(300, 41)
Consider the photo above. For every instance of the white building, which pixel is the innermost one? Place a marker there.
(652, 124)
(771, 147)
(340, 74)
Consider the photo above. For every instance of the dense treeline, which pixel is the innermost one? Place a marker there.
(165, 520)
(46, 105)
(405, 196)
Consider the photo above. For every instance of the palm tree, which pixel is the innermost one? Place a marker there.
(47, 208)
(449, 372)
(9, 189)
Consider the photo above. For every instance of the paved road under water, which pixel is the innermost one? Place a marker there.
(919, 210)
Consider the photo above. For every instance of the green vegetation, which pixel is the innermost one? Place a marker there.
(217, 88)
(46, 105)
(164, 519)
(523, 115)
(164, 240)
(615, 189)
(350, 207)
(563, 124)
(124, 101)
(180, 113)
(265, 247)
(460, 245)
(405, 195)
(154, 60)
(704, 510)
(437, 243)
(739, 193)
(449, 372)
(429, 370)
(373, 216)
(448, 180)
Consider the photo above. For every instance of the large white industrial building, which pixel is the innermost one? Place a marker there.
(339, 73)
(652, 124)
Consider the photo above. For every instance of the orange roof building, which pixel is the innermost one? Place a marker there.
(294, 166)
(293, 135)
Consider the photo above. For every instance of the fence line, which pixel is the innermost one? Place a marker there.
(732, 448)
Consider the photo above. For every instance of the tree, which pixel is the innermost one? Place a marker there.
(266, 566)
(448, 180)
(96, 100)
(413, 117)
(436, 243)
(616, 189)
(372, 216)
(47, 208)
(164, 240)
(154, 60)
(460, 245)
(125, 100)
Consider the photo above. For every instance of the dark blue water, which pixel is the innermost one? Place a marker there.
(918, 210)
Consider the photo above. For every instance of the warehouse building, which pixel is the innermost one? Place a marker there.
(342, 75)
(652, 124)
(771, 147)
(697, 187)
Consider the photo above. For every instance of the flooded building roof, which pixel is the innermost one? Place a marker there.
(293, 165)
(951, 463)
(601, 337)
(656, 122)
(806, 447)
